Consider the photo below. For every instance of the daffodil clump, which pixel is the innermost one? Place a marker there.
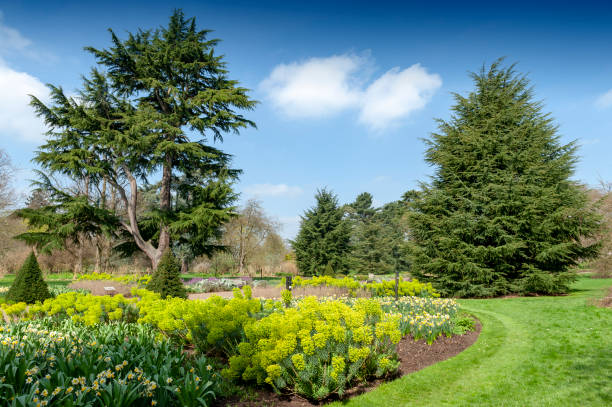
(317, 348)
(423, 318)
(59, 363)
(125, 279)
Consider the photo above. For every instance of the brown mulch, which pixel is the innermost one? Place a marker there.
(414, 356)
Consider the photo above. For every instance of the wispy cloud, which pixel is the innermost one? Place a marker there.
(11, 39)
(275, 190)
(604, 101)
(320, 87)
(17, 119)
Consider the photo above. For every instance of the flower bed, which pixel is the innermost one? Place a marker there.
(309, 346)
(381, 289)
(51, 362)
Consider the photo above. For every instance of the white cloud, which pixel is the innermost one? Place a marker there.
(396, 94)
(11, 39)
(260, 190)
(605, 100)
(17, 118)
(316, 87)
(319, 87)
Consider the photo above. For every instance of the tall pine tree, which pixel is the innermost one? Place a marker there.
(501, 214)
(323, 239)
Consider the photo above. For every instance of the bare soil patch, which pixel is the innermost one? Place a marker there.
(96, 287)
(275, 292)
(414, 356)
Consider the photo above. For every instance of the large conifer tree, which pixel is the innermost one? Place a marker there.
(501, 214)
(323, 239)
(151, 108)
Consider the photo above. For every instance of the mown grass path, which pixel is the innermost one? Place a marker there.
(541, 351)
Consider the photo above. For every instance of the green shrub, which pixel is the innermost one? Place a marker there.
(318, 348)
(29, 285)
(412, 288)
(462, 324)
(166, 280)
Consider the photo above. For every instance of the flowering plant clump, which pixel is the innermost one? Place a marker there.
(351, 284)
(59, 363)
(125, 279)
(423, 318)
(382, 289)
(318, 347)
(405, 288)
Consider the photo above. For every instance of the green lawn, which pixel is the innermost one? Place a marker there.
(544, 351)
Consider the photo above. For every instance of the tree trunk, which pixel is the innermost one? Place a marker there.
(98, 257)
(184, 267)
(165, 203)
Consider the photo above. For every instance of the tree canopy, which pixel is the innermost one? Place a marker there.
(149, 109)
(501, 214)
(323, 238)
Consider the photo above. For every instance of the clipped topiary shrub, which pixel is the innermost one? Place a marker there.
(29, 285)
(167, 280)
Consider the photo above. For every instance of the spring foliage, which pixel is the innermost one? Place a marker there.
(501, 214)
(29, 285)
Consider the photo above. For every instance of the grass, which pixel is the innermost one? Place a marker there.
(538, 351)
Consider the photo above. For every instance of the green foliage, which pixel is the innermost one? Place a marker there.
(501, 214)
(463, 324)
(286, 296)
(406, 288)
(29, 285)
(382, 289)
(60, 363)
(166, 280)
(140, 112)
(64, 219)
(125, 279)
(318, 348)
(323, 238)
(377, 236)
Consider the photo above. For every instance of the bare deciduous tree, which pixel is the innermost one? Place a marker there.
(247, 232)
(7, 194)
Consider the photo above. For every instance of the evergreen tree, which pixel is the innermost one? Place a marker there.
(29, 285)
(501, 214)
(167, 278)
(130, 122)
(323, 238)
(369, 245)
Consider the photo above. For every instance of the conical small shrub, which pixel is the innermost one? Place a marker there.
(166, 280)
(29, 285)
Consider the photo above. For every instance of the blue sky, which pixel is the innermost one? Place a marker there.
(347, 89)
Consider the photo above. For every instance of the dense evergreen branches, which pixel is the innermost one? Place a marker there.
(501, 214)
